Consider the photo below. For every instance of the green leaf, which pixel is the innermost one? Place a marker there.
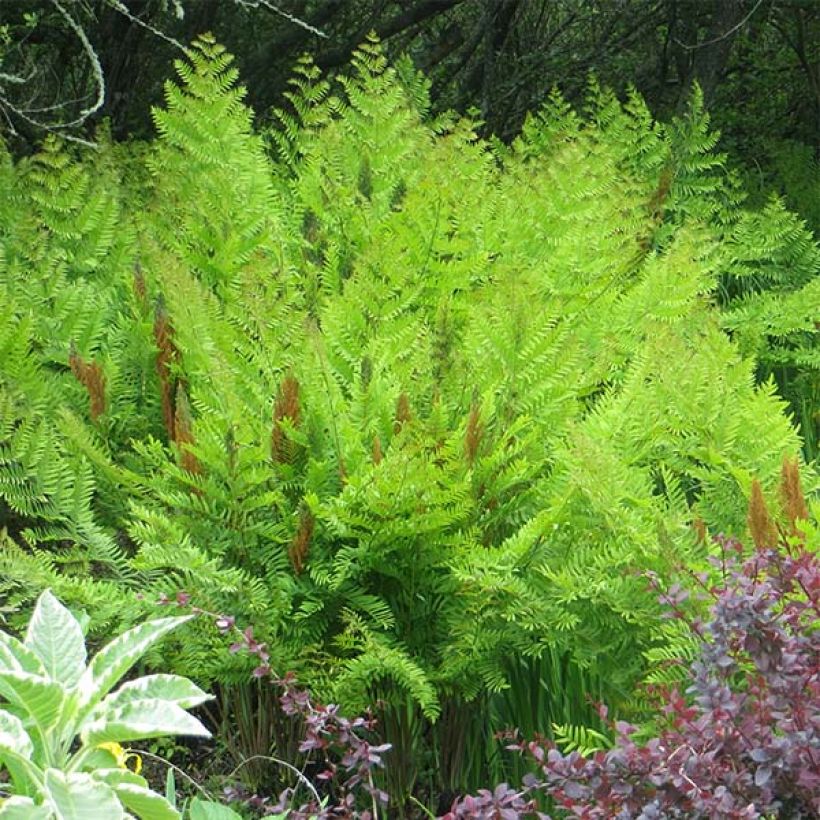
(41, 698)
(13, 736)
(15, 654)
(23, 808)
(93, 759)
(169, 688)
(25, 775)
(170, 787)
(117, 657)
(78, 796)
(118, 776)
(54, 635)
(146, 804)
(208, 810)
(142, 719)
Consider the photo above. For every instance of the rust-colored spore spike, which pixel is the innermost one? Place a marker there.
(791, 492)
(377, 450)
(655, 206)
(184, 432)
(658, 199)
(286, 406)
(403, 414)
(300, 545)
(474, 433)
(91, 376)
(761, 526)
(167, 354)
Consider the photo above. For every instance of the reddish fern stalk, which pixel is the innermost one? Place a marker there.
(167, 355)
(184, 432)
(91, 376)
(403, 414)
(791, 493)
(474, 434)
(761, 525)
(286, 406)
(300, 545)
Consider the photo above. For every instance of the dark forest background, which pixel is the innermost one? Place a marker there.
(758, 62)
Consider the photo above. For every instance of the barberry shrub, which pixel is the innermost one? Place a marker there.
(742, 741)
(338, 757)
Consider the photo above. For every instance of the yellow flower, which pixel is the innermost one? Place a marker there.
(122, 756)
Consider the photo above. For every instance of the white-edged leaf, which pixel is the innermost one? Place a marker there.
(54, 635)
(78, 796)
(23, 808)
(15, 654)
(117, 657)
(170, 688)
(146, 804)
(25, 775)
(142, 719)
(208, 810)
(13, 735)
(40, 698)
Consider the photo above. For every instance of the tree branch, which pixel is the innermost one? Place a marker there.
(255, 4)
(728, 33)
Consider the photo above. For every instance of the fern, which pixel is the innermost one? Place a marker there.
(579, 739)
(418, 408)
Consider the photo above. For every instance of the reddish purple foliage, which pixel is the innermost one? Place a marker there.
(745, 740)
(503, 803)
(347, 756)
(338, 746)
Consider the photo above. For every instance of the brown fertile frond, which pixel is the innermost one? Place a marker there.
(167, 354)
(286, 406)
(403, 414)
(655, 206)
(300, 544)
(377, 450)
(474, 433)
(184, 432)
(91, 376)
(761, 526)
(658, 198)
(791, 492)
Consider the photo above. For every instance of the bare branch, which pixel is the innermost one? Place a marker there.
(725, 35)
(95, 67)
(255, 4)
(15, 78)
(24, 113)
(119, 6)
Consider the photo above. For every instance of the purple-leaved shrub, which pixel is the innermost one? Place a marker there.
(338, 750)
(743, 741)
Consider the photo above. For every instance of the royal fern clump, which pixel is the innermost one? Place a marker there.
(419, 407)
